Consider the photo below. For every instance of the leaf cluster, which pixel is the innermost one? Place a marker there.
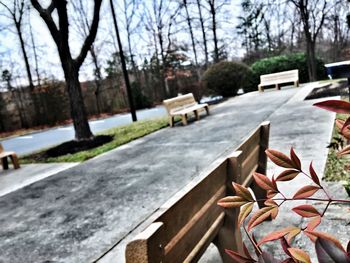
(328, 248)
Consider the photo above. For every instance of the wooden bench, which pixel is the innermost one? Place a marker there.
(4, 161)
(182, 106)
(279, 78)
(191, 220)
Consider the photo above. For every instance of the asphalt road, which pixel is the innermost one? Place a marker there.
(38, 140)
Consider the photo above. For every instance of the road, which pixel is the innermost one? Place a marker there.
(39, 140)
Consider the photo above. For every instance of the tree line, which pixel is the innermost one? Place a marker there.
(158, 37)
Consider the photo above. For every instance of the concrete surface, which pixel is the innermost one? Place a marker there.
(93, 208)
(12, 180)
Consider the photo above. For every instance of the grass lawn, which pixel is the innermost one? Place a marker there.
(122, 135)
(337, 168)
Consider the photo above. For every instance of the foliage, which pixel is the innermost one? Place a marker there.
(226, 78)
(326, 246)
(122, 135)
(283, 63)
(141, 101)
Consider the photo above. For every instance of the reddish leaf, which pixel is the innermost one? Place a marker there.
(295, 159)
(261, 215)
(306, 191)
(270, 202)
(232, 201)
(342, 128)
(285, 246)
(242, 191)
(313, 175)
(238, 257)
(293, 233)
(244, 212)
(325, 236)
(263, 181)
(270, 194)
(346, 124)
(279, 158)
(348, 248)
(266, 257)
(344, 151)
(299, 255)
(338, 106)
(327, 251)
(246, 251)
(313, 223)
(278, 234)
(274, 212)
(306, 211)
(287, 175)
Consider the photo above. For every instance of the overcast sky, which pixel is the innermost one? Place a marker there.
(49, 64)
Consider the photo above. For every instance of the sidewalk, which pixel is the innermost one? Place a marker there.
(81, 213)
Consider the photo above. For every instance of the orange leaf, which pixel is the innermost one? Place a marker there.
(313, 223)
(244, 212)
(299, 255)
(294, 232)
(314, 175)
(344, 151)
(306, 191)
(242, 192)
(232, 201)
(325, 236)
(270, 194)
(287, 175)
(270, 202)
(345, 125)
(338, 106)
(263, 181)
(260, 215)
(279, 158)
(295, 159)
(342, 128)
(306, 211)
(278, 234)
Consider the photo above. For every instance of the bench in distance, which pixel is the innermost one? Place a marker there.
(182, 106)
(279, 78)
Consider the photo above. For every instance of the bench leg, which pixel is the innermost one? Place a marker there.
(261, 89)
(207, 109)
(15, 161)
(171, 121)
(296, 84)
(277, 87)
(196, 113)
(184, 119)
(5, 164)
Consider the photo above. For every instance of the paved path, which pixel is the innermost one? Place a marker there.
(79, 214)
(39, 140)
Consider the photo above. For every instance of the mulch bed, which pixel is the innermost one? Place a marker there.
(333, 89)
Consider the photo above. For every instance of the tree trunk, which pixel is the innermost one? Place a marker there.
(29, 74)
(311, 60)
(77, 108)
(213, 18)
(203, 33)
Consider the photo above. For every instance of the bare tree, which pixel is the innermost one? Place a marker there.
(82, 27)
(312, 14)
(71, 66)
(201, 20)
(16, 13)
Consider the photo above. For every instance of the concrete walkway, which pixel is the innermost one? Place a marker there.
(81, 213)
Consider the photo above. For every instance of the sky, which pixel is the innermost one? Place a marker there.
(49, 63)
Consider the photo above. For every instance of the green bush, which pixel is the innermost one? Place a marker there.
(283, 63)
(226, 78)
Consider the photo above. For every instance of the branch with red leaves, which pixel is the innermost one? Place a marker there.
(327, 247)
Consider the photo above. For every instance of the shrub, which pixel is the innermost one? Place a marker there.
(141, 101)
(226, 78)
(283, 63)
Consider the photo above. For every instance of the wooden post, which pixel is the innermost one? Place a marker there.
(264, 144)
(229, 236)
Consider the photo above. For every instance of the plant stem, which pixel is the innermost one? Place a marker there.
(307, 199)
(251, 240)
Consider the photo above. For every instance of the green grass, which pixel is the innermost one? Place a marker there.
(122, 135)
(337, 168)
